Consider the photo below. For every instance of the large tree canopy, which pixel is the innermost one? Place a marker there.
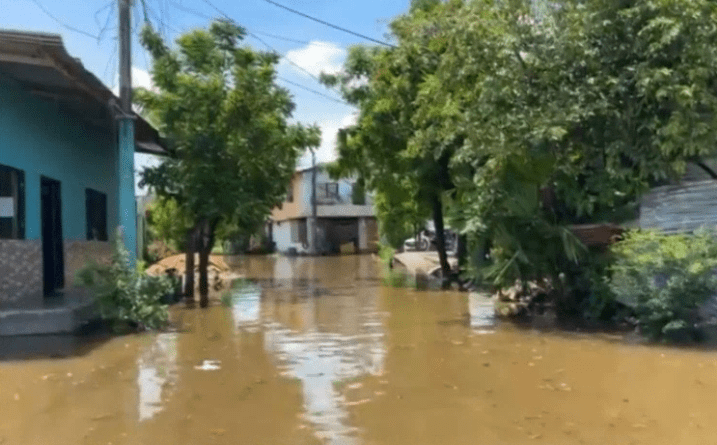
(527, 119)
(232, 151)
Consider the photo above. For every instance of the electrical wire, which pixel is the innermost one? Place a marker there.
(264, 43)
(63, 24)
(312, 90)
(104, 28)
(286, 58)
(271, 48)
(274, 36)
(204, 16)
(323, 22)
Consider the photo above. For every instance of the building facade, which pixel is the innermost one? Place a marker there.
(344, 222)
(59, 166)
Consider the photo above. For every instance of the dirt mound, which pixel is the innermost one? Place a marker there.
(178, 262)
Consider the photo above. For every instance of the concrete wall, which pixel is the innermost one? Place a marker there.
(77, 253)
(41, 140)
(281, 231)
(294, 209)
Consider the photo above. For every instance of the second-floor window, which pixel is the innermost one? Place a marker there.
(327, 191)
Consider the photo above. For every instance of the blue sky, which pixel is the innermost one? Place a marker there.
(316, 47)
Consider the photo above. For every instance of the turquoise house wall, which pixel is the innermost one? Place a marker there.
(36, 137)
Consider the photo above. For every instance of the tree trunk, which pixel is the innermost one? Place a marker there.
(462, 251)
(441, 240)
(206, 242)
(189, 266)
(203, 279)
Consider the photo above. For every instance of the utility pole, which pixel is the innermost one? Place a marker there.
(127, 205)
(314, 220)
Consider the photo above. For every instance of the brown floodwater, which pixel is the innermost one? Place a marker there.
(318, 351)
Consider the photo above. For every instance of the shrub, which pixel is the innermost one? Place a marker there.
(125, 295)
(665, 278)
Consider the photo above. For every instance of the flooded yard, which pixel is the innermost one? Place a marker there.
(318, 351)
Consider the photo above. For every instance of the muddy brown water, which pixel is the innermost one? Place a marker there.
(320, 352)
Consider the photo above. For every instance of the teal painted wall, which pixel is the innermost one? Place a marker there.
(36, 137)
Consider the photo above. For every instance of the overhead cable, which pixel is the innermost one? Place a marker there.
(331, 25)
(63, 24)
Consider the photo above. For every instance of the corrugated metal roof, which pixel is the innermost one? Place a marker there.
(680, 208)
(39, 62)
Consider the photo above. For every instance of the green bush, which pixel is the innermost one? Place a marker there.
(125, 295)
(665, 278)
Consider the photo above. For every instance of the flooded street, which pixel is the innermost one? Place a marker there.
(319, 352)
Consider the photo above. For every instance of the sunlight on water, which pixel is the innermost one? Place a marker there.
(157, 368)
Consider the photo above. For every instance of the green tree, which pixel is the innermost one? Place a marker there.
(232, 151)
(526, 118)
(569, 115)
(167, 223)
(408, 173)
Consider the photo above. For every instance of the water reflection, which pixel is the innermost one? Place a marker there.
(325, 351)
(324, 339)
(246, 307)
(482, 314)
(157, 370)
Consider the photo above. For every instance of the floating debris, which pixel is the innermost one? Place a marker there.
(209, 365)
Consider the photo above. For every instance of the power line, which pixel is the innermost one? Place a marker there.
(217, 9)
(331, 25)
(226, 16)
(159, 20)
(107, 20)
(286, 58)
(63, 24)
(204, 16)
(113, 61)
(191, 11)
(303, 42)
(312, 90)
(252, 34)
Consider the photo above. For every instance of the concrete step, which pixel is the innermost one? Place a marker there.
(62, 315)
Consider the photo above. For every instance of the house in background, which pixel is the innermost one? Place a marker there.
(344, 216)
(59, 168)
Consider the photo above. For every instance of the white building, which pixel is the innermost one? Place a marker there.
(345, 218)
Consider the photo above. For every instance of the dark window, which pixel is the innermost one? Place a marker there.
(96, 204)
(327, 192)
(12, 203)
(298, 231)
(290, 193)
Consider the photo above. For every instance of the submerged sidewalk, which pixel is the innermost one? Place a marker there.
(63, 314)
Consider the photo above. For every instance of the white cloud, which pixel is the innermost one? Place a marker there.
(317, 57)
(329, 131)
(140, 78)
